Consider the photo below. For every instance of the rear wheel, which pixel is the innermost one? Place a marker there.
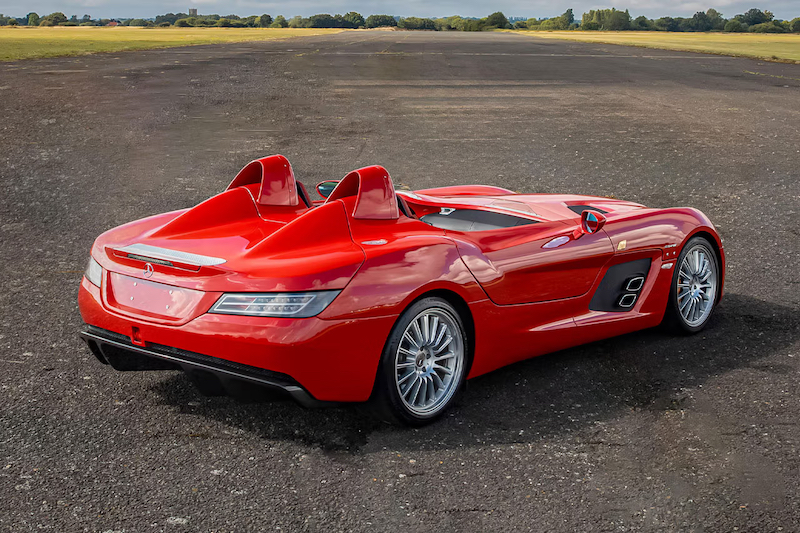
(423, 366)
(694, 289)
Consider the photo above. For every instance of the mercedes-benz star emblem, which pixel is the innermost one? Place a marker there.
(148, 270)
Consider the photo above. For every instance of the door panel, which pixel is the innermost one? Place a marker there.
(514, 266)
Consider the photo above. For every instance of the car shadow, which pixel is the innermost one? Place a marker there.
(567, 391)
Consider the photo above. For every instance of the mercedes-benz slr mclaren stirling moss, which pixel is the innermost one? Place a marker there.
(386, 296)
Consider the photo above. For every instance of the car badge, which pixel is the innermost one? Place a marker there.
(621, 246)
(148, 270)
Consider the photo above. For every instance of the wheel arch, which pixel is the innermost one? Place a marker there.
(714, 241)
(464, 312)
(462, 308)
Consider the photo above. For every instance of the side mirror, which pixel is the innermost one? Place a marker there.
(325, 188)
(591, 222)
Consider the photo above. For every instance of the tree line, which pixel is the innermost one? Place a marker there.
(753, 20)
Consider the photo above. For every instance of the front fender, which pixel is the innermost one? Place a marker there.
(666, 229)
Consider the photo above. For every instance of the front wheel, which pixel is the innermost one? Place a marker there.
(695, 286)
(423, 366)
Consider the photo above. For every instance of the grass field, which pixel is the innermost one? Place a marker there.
(28, 43)
(774, 47)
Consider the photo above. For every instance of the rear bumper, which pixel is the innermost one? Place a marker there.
(121, 354)
(311, 359)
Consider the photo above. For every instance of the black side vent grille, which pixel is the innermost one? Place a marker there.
(620, 287)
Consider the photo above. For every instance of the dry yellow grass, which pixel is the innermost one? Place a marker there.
(770, 46)
(28, 43)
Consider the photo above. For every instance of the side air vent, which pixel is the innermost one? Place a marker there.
(620, 287)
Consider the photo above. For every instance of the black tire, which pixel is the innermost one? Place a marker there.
(386, 402)
(674, 320)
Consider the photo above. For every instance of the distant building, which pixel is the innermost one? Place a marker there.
(192, 11)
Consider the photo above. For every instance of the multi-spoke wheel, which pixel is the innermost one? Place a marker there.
(694, 286)
(423, 365)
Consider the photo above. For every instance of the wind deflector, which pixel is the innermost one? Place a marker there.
(374, 192)
(276, 178)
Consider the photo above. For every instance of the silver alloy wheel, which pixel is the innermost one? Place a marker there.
(697, 285)
(429, 361)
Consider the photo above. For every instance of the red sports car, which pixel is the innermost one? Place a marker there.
(386, 296)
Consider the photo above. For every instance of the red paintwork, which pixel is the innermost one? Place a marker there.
(468, 190)
(307, 349)
(374, 193)
(513, 268)
(161, 303)
(523, 299)
(275, 177)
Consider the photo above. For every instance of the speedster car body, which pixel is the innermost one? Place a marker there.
(259, 284)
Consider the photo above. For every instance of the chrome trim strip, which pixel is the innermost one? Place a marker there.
(409, 194)
(627, 301)
(529, 213)
(144, 251)
(520, 211)
(145, 259)
(635, 284)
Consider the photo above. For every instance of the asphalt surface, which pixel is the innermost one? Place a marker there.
(645, 432)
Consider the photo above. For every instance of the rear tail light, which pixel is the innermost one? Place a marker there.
(94, 272)
(290, 304)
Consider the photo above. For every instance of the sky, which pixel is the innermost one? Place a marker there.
(785, 9)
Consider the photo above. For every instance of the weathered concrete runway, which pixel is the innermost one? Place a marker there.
(645, 432)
